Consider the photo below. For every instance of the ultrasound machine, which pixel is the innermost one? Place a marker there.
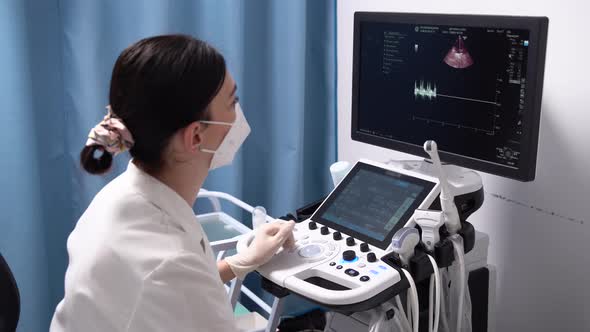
(463, 93)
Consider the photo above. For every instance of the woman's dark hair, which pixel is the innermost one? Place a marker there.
(159, 85)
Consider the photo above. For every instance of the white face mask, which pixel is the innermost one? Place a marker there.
(224, 155)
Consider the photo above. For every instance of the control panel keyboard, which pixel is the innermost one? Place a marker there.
(322, 253)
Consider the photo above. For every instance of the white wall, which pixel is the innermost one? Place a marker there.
(540, 234)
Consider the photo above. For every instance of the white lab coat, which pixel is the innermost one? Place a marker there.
(139, 261)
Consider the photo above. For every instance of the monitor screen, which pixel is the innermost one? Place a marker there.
(372, 203)
(473, 84)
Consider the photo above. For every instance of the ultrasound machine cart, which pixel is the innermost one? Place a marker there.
(471, 84)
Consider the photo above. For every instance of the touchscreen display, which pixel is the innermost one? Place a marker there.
(373, 202)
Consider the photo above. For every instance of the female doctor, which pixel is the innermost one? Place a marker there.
(138, 260)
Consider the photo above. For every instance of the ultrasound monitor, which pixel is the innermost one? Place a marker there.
(471, 83)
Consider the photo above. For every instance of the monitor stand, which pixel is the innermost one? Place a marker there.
(462, 180)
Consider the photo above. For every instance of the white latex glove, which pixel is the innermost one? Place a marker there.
(267, 241)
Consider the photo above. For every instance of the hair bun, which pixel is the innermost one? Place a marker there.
(91, 163)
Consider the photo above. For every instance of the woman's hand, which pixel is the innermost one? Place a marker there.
(267, 241)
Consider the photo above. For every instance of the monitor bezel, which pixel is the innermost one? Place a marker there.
(531, 119)
(429, 187)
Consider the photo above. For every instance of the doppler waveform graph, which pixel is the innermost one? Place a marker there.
(438, 108)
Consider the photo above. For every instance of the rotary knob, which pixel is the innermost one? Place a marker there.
(337, 236)
(349, 255)
(365, 247)
(324, 230)
(350, 241)
(371, 257)
(313, 225)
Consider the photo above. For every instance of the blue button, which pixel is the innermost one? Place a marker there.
(374, 272)
(352, 272)
(342, 261)
(382, 267)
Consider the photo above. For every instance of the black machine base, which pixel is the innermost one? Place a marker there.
(478, 283)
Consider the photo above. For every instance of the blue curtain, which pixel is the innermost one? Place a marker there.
(56, 63)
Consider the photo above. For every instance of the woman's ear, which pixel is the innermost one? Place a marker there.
(193, 136)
